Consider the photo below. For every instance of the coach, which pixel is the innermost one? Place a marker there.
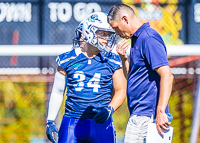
(148, 73)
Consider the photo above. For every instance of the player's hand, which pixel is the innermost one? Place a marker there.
(51, 128)
(103, 114)
(121, 48)
(163, 121)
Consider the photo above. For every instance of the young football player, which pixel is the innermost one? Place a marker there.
(91, 73)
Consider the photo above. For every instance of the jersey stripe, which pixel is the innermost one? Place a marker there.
(77, 52)
(66, 60)
(114, 61)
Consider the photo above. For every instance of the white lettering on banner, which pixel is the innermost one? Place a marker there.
(63, 11)
(53, 12)
(197, 12)
(81, 10)
(92, 7)
(16, 12)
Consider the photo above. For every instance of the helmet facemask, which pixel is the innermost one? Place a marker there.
(78, 39)
(105, 40)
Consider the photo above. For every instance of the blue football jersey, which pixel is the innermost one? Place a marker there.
(89, 81)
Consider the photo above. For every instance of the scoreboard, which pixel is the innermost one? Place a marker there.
(54, 21)
(45, 21)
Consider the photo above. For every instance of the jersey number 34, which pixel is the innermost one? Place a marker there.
(79, 76)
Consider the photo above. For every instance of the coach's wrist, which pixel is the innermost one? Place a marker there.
(161, 109)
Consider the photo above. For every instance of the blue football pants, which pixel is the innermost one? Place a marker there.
(86, 131)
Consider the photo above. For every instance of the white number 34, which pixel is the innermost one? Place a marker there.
(93, 82)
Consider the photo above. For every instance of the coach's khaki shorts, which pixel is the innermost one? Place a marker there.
(136, 129)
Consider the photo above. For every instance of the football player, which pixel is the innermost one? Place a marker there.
(91, 73)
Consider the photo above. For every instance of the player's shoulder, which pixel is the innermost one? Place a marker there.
(112, 55)
(113, 58)
(67, 56)
(71, 53)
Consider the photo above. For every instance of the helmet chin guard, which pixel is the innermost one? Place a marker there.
(94, 22)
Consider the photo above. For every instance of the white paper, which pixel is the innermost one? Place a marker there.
(153, 135)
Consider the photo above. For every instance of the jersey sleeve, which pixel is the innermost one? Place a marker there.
(64, 59)
(114, 62)
(155, 53)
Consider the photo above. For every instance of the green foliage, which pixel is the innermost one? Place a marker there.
(24, 111)
(182, 112)
(120, 118)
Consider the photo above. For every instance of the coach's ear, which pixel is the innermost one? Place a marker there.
(124, 20)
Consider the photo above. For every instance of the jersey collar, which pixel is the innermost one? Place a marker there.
(139, 31)
(99, 57)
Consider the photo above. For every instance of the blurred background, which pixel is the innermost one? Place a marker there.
(34, 32)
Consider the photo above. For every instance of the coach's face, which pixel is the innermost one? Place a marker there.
(121, 28)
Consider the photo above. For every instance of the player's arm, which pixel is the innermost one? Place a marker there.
(121, 48)
(57, 93)
(55, 102)
(118, 97)
(119, 89)
(166, 82)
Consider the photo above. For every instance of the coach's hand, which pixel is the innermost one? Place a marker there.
(121, 48)
(51, 128)
(103, 114)
(162, 122)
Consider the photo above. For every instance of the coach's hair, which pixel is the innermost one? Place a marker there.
(117, 10)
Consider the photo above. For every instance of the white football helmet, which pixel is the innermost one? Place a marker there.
(94, 22)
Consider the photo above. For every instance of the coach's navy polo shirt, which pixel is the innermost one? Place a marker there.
(148, 52)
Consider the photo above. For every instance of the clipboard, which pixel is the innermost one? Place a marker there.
(153, 135)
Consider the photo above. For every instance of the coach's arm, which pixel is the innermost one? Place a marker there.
(166, 81)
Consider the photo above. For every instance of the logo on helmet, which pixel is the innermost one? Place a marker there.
(94, 17)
